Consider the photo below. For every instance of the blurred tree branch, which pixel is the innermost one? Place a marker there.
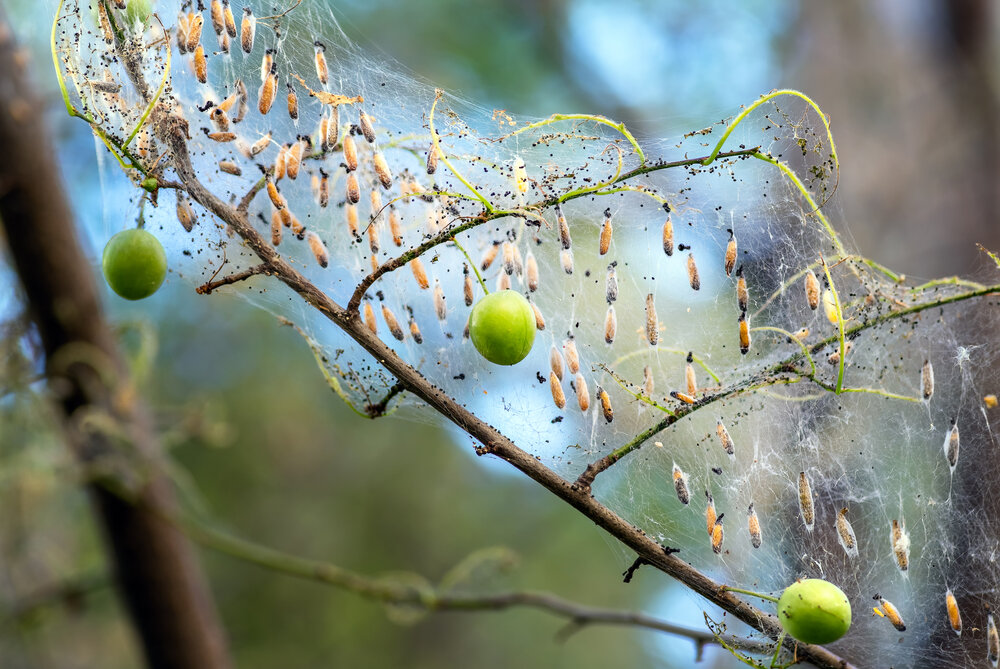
(156, 570)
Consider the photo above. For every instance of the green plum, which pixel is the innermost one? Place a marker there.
(502, 327)
(134, 264)
(814, 611)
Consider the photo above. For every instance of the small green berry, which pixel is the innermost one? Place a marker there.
(502, 327)
(814, 611)
(134, 264)
(150, 184)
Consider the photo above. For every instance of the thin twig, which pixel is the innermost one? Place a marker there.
(378, 409)
(236, 277)
(429, 598)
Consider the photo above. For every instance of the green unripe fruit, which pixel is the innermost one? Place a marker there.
(502, 327)
(814, 611)
(134, 264)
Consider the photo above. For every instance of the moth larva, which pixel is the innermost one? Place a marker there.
(322, 72)
(806, 501)
(564, 237)
(293, 158)
(812, 290)
(365, 124)
(248, 29)
(432, 159)
(558, 397)
(200, 64)
(606, 231)
(267, 93)
(319, 249)
(394, 229)
(725, 439)
(467, 286)
(571, 355)
(520, 176)
(927, 379)
(440, 307)
(566, 258)
(582, 393)
(508, 257)
(293, 102)
(647, 381)
(382, 170)
(668, 236)
(680, 485)
(392, 323)
(888, 610)
(218, 20)
(682, 397)
(954, 615)
(606, 409)
(219, 118)
(611, 293)
(710, 514)
(555, 362)
(350, 153)
(489, 255)
(652, 325)
(369, 318)
(742, 296)
(744, 334)
(531, 271)
(900, 545)
(266, 64)
(195, 23)
(419, 274)
(353, 189)
(753, 524)
(610, 325)
(276, 225)
(414, 328)
(693, 273)
(227, 15)
(351, 215)
(323, 191)
(845, 534)
(229, 167)
(244, 103)
(992, 640)
(539, 319)
(951, 446)
(689, 376)
(717, 535)
(185, 214)
(730, 253)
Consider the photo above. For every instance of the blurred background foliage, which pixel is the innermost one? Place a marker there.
(911, 88)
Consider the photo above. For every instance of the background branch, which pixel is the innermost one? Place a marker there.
(156, 570)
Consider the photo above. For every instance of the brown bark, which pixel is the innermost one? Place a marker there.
(157, 571)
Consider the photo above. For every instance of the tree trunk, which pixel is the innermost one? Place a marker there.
(158, 575)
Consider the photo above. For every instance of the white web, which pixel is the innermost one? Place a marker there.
(876, 450)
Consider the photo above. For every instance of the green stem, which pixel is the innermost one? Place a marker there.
(620, 127)
(441, 155)
(471, 264)
(840, 328)
(769, 598)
